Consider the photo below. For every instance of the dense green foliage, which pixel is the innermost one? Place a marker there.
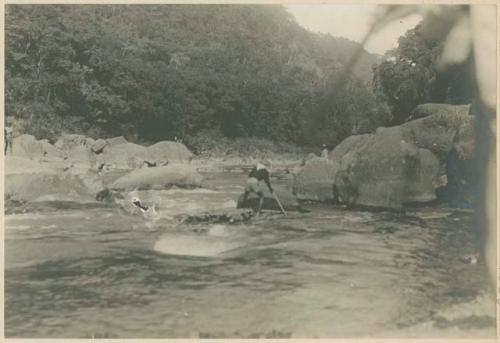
(409, 75)
(154, 72)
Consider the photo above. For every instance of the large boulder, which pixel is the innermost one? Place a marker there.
(348, 145)
(406, 163)
(116, 140)
(180, 175)
(98, 146)
(80, 156)
(287, 199)
(90, 179)
(314, 181)
(69, 140)
(125, 156)
(76, 149)
(464, 142)
(385, 170)
(460, 167)
(27, 146)
(31, 181)
(169, 151)
(425, 110)
(439, 132)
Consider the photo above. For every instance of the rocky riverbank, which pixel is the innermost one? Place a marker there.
(410, 163)
(75, 169)
(416, 162)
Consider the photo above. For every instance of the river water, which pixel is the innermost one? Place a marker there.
(100, 272)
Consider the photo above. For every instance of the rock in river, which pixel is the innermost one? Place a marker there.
(229, 217)
(425, 110)
(76, 149)
(26, 146)
(396, 165)
(386, 171)
(125, 155)
(169, 151)
(28, 180)
(314, 180)
(180, 175)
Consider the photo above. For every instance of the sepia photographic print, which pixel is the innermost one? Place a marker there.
(246, 170)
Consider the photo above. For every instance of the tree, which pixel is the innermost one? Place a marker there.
(409, 76)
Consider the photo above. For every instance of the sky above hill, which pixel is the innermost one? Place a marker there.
(351, 22)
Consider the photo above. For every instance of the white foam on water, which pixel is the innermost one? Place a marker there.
(233, 190)
(433, 215)
(193, 245)
(150, 225)
(357, 217)
(164, 215)
(51, 226)
(219, 230)
(172, 207)
(229, 204)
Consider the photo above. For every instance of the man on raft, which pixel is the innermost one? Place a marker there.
(258, 174)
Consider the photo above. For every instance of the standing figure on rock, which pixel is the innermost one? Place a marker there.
(8, 137)
(324, 151)
(258, 174)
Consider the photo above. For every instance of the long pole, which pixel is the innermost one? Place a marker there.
(279, 204)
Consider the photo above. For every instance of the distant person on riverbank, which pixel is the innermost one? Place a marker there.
(258, 174)
(324, 151)
(8, 137)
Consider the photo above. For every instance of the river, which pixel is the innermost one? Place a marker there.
(332, 272)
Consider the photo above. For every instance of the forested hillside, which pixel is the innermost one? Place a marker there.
(155, 72)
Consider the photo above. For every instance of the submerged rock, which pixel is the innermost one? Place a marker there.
(180, 175)
(288, 200)
(230, 216)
